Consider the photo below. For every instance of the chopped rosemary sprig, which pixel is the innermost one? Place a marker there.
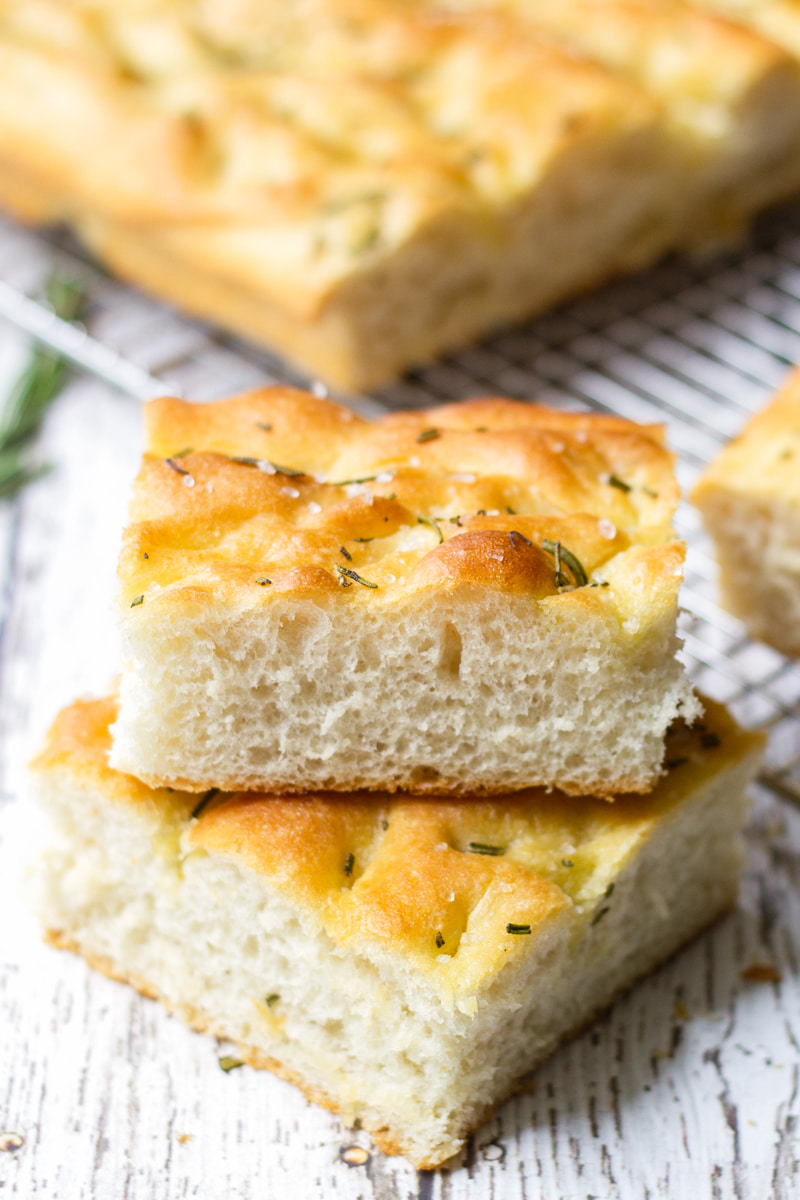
(271, 999)
(346, 574)
(562, 555)
(349, 863)
(609, 891)
(615, 481)
(203, 802)
(567, 862)
(176, 466)
(439, 939)
(363, 479)
(369, 539)
(37, 385)
(137, 600)
(456, 521)
(265, 465)
(598, 916)
(429, 435)
(512, 928)
(229, 1063)
(709, 741)
(514, 534)
(483, 848)
(263, 581)
(433, 525)
(346, 553)
(263, 425)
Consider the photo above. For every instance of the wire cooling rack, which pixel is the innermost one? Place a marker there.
(698, 345)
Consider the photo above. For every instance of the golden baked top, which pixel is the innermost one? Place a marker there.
(277, 491)
(457, 888)
(227, 130)
(775, 19)
(764, 460)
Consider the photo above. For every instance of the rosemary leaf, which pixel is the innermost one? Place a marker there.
(483, 848)
(562, 555)
(512, 928)
(346, 575)
(229, 1063)
(37, 385)
(433, 525)
(615, 481)
(204, 801)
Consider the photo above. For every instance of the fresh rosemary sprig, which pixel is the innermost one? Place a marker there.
(39, 383)
(561, 555)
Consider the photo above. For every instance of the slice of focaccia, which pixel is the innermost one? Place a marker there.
(750, 501)
(474, 598)
(404, 961)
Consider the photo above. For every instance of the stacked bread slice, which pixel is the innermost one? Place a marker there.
(335, 813)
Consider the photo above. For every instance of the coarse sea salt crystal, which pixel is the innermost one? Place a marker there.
(313, 507)
(384, 477)
(188, 481)
(290, 491)
(440, 846)
(321, 478)
(413, 461)
(463, 478)
(607, 529)
(319, 389)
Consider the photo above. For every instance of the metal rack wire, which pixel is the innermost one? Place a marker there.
(698, 345)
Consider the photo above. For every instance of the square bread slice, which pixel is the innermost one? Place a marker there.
(404, 961)
(750, 502)
(478, 597)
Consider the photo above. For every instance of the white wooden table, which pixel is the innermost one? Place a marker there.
(688, 1088)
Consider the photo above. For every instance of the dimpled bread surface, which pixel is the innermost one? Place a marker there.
(365, 183)
(406, 961)
(473, 598)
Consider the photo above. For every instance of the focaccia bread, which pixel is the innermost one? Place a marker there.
(729, 99)
(404, 961)
(473, 598)
(365, 183)
(778, 20)
(750, 501)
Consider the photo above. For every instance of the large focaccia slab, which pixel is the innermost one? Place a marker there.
(750, 501)
(473, 598)
(365, 183)
(405, 961)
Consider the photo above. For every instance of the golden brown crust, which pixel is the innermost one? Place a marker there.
(763, 462)
(275, 491)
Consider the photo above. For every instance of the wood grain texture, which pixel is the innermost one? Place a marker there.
(689, 1087)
